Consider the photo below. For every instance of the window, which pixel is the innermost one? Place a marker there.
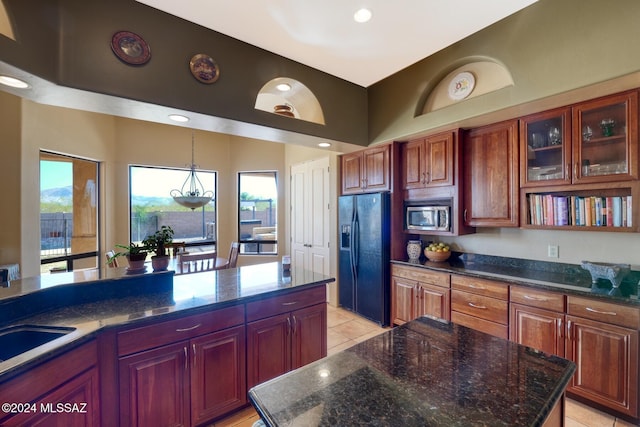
(68, 213)
(257, 222)
(152, 206)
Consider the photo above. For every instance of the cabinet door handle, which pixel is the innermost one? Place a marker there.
(481, 307)
(424, 177)
(575, 170)
(189, 329)
(288, 326)
(428, 177)
(295, 323)
(608, 313)
(464, 215)
(290, 303)
(569, 335)
(186, 358)
(559, 326)
(566, 172)
(472, 286)
(193, 347)
(535, 298)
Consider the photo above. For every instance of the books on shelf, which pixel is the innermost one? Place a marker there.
(588, 211)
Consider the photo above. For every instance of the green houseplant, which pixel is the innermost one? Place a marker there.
(156, 243)
(136, 255)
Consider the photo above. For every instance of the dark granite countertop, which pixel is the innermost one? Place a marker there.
(424, 373)
(120, 299)
(567, 278)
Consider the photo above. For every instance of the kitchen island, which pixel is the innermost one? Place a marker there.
(423, 373)
(154, 349)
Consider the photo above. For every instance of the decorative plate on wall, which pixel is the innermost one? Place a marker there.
(130, 48)
(461, 85)
(204, 68)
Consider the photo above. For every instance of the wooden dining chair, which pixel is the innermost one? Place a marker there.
(175, 248)
(111, 261)
(233, 255)
(199, 261)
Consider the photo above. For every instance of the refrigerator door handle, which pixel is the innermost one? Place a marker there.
(355, 249)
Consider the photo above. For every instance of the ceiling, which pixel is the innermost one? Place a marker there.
(323, 34)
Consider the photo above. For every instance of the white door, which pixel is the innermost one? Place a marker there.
(310, 208)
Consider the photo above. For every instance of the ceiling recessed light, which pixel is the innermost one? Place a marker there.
(284, 87)
(362, 15)
(13, 82)
(324, 145)
(178, 118)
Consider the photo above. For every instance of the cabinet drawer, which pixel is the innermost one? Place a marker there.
(485, 287)
(615, 314)
(491, 328)
(537, 298)
(422, 275)
(285, 303)
(146, 337)
(487, 308)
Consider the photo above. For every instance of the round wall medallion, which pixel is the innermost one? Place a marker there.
(461, 86)
(204, 68)
(130, 48)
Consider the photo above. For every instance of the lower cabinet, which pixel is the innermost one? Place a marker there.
(417, 292)
(280, 339)
(70, 380)
(185, 382)
(480, 304)
(537, 319)
(606, 354)
(600, 337)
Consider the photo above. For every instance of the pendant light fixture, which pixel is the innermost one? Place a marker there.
(192, 194)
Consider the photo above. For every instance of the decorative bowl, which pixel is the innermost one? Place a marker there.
(437, 256)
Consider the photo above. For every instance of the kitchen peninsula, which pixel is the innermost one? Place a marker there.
(175, 354)
(425, 372)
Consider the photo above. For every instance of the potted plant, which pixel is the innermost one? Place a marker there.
(156, 243)
(135, 254)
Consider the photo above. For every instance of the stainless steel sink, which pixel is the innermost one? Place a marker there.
(15, 340)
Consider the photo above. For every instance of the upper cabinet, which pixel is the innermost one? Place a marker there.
(366, 171)
(545, 149)
(605, 135)
(491, 175)
(595, 141)
(428, 162)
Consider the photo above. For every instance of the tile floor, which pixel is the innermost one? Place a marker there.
(346, 329)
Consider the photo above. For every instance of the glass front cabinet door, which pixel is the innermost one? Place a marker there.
(545, 153)
(605, 135)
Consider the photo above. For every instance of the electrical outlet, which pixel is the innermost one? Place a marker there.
(552, 251)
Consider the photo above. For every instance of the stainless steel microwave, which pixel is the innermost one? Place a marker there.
(428, 218)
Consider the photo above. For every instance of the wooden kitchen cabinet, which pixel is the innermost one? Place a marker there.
(585, 179)
(366, 171)
(491, 175)
(428, 162)
(182, 372)
(285, 333)
(602, 339)
(71, 378)
(480, 304)
(417, 292)
(536, 319)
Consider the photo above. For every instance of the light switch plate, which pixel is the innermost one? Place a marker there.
(552, 251)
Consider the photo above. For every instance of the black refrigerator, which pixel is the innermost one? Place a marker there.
(363, 265)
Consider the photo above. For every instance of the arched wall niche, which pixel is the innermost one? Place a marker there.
(302, 103)
(490, 75)
(6, 28)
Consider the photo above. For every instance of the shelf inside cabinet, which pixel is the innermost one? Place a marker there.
(610, 208)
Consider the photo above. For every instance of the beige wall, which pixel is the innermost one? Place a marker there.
(10, 207)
